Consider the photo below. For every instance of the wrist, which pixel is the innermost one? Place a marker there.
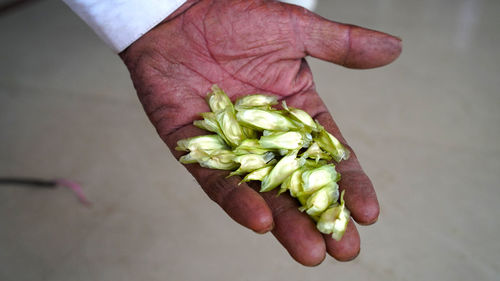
(182, 9)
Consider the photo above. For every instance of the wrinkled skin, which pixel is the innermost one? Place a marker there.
(251, 47)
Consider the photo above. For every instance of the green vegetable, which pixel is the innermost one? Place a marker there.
(251, 162)
(260, 119)
(250, 146)
(315, 152)
(321, 199)
(220, 159)
(331, 144)
(293, 183)
(301, 116)
(317, 178)
(283, 140)
(251, 101)
(205, 143)
(284, 168)
(218, 100)
(334, 220)
(285, 148)
(229, 126)
(257, 175)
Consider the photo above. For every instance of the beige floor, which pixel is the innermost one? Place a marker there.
(426, 129)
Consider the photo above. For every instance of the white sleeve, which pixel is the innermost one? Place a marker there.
(120, 22)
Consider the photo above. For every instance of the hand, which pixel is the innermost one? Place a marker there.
(251, 47)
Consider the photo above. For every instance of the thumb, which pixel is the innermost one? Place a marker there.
(348, 45)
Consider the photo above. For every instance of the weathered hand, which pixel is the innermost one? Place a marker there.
(251, 47)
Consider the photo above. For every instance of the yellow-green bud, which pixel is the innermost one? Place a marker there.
(206, 143)
(250, 146)
(331, 145)
(315, 152)
(301, 116)
(192, 157)
(258, 175)
(259, 119)
(293, 183)
(316, 178)
(255, 101)
(334, 220)
(251, 162)
(282, 140)
(284, 168)
(202, 124)
(209, 123)
(218, 100)
(230, 127)
(219, 159)
(321, 199)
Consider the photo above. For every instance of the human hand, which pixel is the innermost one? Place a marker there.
(251, 47)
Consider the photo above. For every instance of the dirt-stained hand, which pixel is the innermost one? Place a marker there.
(246, 47)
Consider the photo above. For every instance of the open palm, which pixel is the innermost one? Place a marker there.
(251, 47)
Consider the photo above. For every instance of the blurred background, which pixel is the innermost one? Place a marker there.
(426, 129)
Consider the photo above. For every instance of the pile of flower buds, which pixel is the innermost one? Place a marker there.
(285, 148)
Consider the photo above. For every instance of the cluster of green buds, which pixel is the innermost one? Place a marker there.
(284, 148)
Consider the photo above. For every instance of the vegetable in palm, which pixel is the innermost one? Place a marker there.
(284, 148)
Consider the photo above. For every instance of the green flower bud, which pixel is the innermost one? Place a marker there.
(334, 220)
(210, 118)
(203, 124)
(250, 146)
(316, 178)
(331, 145)
(218, 100)
(255, 101)
(301, 116)
(282, 140)
(206, 143)
(230, 127)
(192, 157)
(210, 123)
(321, 199)
(284, 168)
(251, 162)
(293, 183)
(315, 152)
(259, 119)
(219, 159)
(257, 175)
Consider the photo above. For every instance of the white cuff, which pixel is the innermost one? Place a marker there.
(120, 22)
(308, 4)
